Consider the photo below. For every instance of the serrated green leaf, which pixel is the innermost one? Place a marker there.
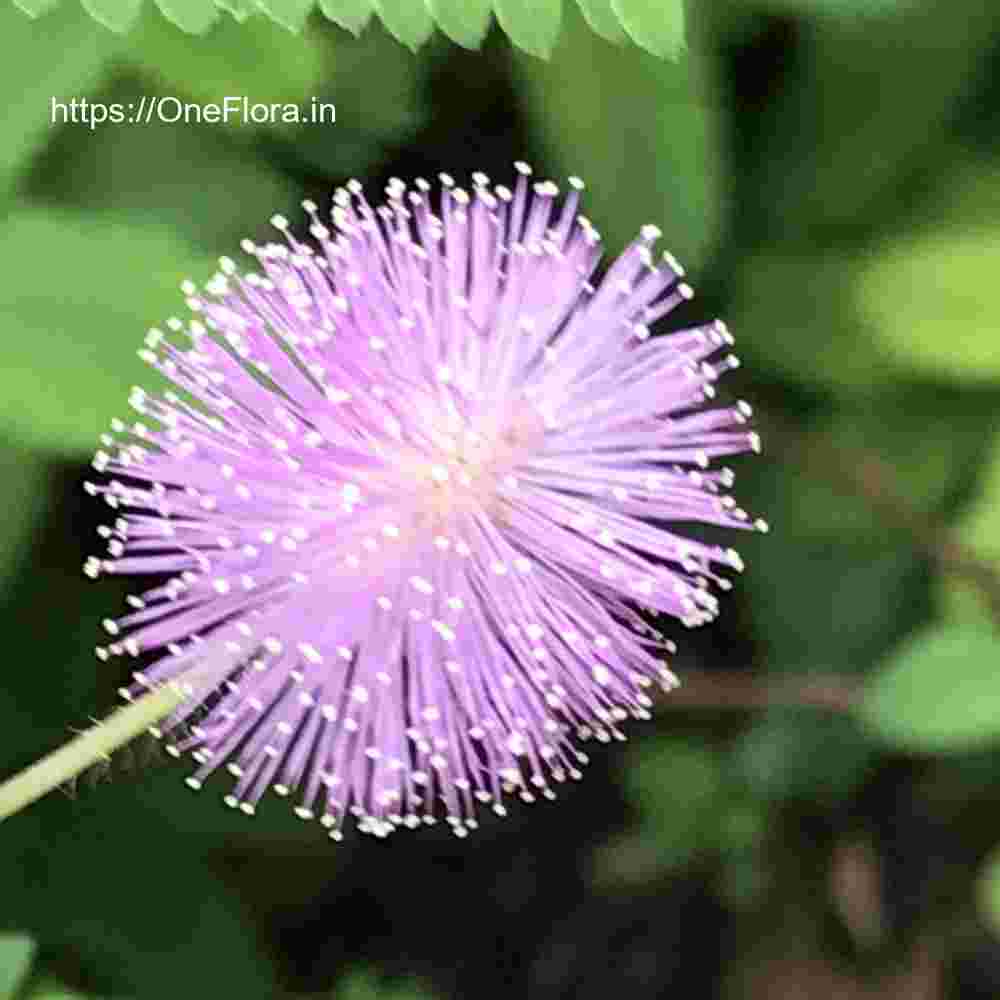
(352, 15)
(35, 8)
(192, 16)
(408, 21)
(16, 954)
(930, 301)
(240, 9)
(643, 133)
(463, 21)
(73, 51)
(237, 59)
(533, 25)
(602, 19)
(290, 14)
(118, 15)
(656, 25)
(940, 691)
(71, 357)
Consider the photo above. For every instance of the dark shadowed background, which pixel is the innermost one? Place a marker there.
(814, 813)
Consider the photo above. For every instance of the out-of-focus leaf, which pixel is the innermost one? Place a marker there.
(673, 783)
(73, 51)
(463, 21)
(118, 15)
(350, 14)
(930, 299)
(865, 584)
(71, 356)
(233, 60)
(729, 825)
(601, 17)
(793, 313)
(851, 604)
(161, 789)
(25, 480)
(381, 102)
(360, 984)
(379, 94)
(967, 196)
(167, 174)
(290, 14)
(861, 108)
(979, 530)
(675, 786)
(193, 16)
(940, 691)
(408, 21)
(839, 8)
(109, 921)
(988, 890)
(960, 601)
(644, 134)
(657, 25)
(16, 954)
(914, 445)
(104, 877)
(533, 25)
(796, 755)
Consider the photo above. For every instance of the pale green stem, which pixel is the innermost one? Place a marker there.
(89, 747)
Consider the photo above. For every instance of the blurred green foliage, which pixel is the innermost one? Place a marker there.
(640, 118)
(362, 985)
(939, 691)
(830, 171)
(16, 953)
(90, 257)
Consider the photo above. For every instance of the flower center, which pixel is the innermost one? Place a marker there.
(472, 462)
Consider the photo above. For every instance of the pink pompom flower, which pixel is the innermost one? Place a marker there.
(414, 488)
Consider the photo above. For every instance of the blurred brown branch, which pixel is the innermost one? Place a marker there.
(870, 476)
(752, 690)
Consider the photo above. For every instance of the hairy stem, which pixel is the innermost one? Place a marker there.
(89, 747)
